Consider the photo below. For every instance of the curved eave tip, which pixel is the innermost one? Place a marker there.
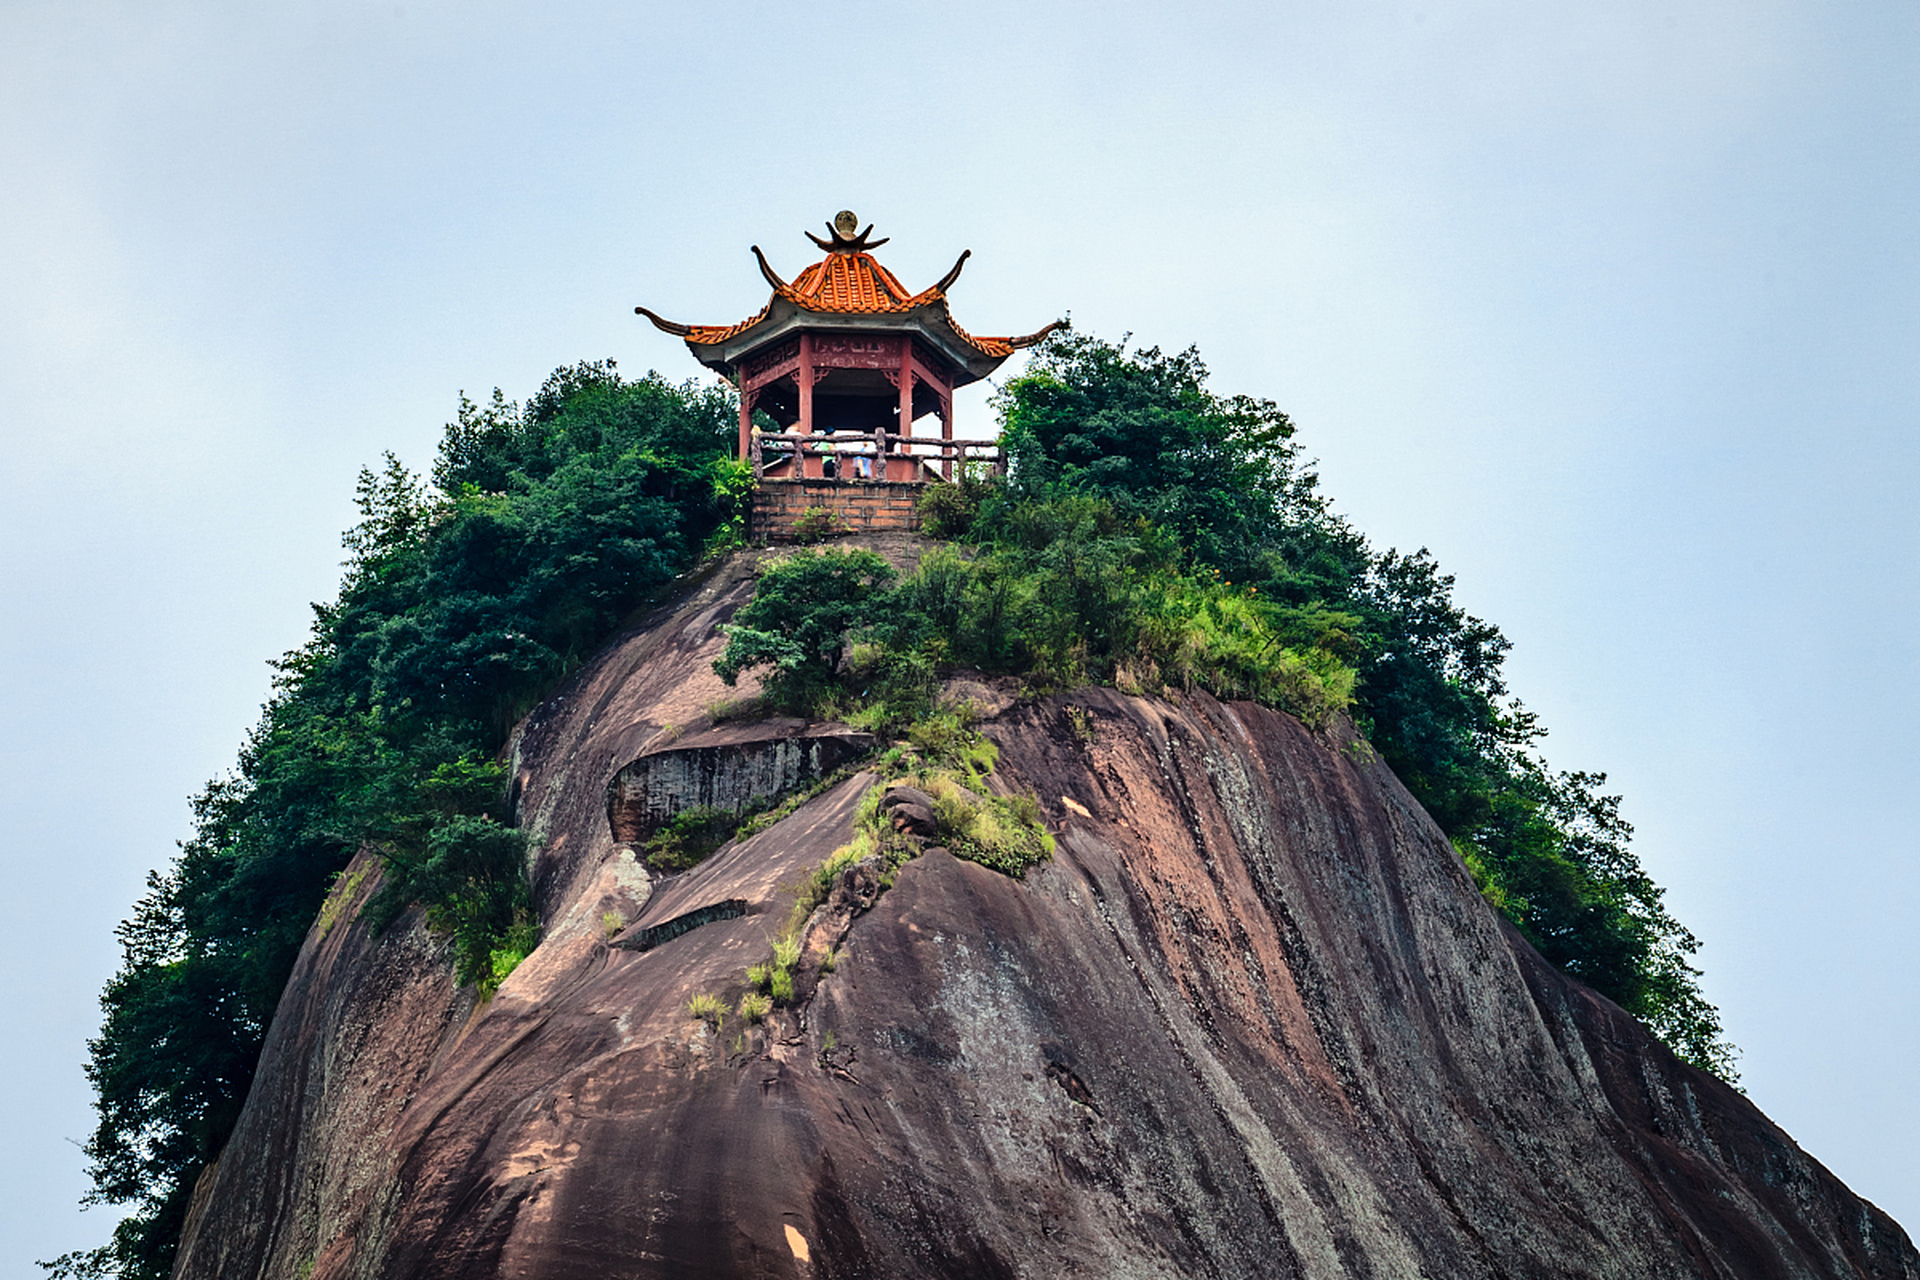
(663, 324)
(1032, 338)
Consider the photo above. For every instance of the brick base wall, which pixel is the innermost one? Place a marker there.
(861, 506)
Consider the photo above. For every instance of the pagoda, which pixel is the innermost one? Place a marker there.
(845, 360)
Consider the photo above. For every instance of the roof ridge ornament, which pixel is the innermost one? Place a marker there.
(850, 297)
(779, 285)
(844, 240)
(946, 281)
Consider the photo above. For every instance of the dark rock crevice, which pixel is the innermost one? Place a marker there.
(733, 768)
(653, 935)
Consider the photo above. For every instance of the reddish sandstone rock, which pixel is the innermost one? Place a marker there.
(910, 811)
(1252, 1020)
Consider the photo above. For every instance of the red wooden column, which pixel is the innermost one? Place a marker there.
(946, 425)
(906, 401)
(746, 415)
(811, 464)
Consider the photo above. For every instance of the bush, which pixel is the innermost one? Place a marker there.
(806, 610)
(780, 987)
(944, 741)
(817, 524)
(1002, 833)
(947, 509)
(709, 1009)
(473, 878)
(522, 936)
(688, 838)
(890, 688)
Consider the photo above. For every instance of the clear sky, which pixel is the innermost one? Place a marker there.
(1615, 307)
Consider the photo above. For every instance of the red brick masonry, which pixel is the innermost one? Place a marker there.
(862, 506)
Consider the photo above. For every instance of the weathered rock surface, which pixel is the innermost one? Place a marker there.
(730, 766)
(1253, 1020)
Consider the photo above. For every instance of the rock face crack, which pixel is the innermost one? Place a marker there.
(1063, 1075)
(667, 930)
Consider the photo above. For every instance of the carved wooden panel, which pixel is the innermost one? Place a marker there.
(856, 351)
(761, 363)
(775, 374)
(935, 363)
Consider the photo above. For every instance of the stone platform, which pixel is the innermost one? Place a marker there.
(859, 506)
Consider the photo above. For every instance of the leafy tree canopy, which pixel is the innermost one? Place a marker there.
(802, 615)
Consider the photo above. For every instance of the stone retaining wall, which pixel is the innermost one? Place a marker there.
(861, 506)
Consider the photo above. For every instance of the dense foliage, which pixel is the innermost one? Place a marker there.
(1140, 431)
(1068, 591)
(544, 526)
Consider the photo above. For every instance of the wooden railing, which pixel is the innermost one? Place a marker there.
(869, 455)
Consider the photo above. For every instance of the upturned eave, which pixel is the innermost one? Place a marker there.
(930, 322)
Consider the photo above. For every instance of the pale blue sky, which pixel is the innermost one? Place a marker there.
(1614, 307)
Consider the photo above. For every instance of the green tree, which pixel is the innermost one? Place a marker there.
(805, 611)
(1141, 430)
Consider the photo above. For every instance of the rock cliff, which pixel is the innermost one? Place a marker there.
(1252, 1020)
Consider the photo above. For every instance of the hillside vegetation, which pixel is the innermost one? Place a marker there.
(1152, 535)
(1220, 477)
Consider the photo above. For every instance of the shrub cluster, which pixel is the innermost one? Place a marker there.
(774, 979)
(688, 837)
(1068, 591)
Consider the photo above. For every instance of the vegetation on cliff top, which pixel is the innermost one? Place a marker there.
(1152, 535)
(1069, 590)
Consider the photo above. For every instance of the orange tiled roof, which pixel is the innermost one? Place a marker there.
(706, 334)
(852, 282)
(849, 282)
(999, 347)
